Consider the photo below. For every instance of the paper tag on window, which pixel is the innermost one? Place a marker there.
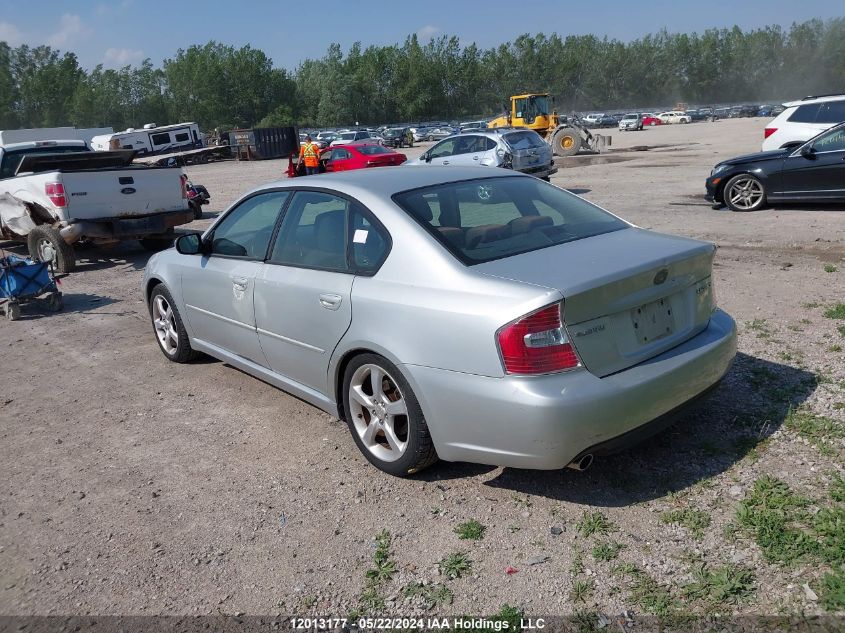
(360, 236)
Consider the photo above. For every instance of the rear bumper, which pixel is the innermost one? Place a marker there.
(125, 228)
(540, 171)
(545, 422)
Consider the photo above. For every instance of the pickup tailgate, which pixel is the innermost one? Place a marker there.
(120, 193)
(629, 295)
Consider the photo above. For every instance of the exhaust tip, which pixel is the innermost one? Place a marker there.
(582, 463)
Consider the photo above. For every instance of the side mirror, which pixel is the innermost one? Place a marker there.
(189, 244)
(808, 152)
(426, 157)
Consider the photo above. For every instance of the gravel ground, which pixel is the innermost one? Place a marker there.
(131, 485)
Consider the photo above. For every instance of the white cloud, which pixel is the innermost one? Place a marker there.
(118, 57)
(10, 34)
(70, 27)
(427, 32)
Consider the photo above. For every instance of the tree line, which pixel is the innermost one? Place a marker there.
(224, 87)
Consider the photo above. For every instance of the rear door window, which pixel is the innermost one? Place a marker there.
(805, 113)
(831, 112)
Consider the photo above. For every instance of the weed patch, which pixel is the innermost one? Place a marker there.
(836, 311)
(720, 586)
(604, 552)
(595, 523)
(816, 429)
(455, 565)
(471, 530)
(696, 521)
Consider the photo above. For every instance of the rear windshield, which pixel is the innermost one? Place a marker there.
(13, 158)
(373, 149)
(524, 140)
(491, 218)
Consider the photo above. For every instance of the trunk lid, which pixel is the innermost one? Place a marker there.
(628, 295)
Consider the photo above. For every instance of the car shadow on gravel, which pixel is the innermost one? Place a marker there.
(712, 435)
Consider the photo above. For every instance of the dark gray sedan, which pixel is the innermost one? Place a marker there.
(470, 314)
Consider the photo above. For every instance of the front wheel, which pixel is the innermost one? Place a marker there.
(385, 417)
(566, 142)
(744, 193)
(168, 327)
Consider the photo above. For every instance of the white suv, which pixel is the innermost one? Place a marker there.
(802, 120)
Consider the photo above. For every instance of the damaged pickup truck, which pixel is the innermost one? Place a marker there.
(54, 194)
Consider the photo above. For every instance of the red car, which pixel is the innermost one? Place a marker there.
(361, 155)
(651, 119)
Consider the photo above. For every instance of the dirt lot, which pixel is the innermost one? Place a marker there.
(131, 485)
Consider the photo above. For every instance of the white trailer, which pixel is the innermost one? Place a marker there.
(152, 139)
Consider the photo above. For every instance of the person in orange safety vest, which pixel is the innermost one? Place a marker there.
(310, 154)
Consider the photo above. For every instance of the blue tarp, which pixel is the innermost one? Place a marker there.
(20, 277)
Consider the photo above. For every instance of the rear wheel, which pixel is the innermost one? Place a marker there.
(385, 417)
(47, 245)
(744, 193)
(566, 142)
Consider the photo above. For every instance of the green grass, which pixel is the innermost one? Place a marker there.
(696, 521)
(720, 586)
(455, 565)
(577, 565)
(647, 593)
(833, 591)
(607, 551)
(837, 489)
(760, 327)
(816, 429)
(432, 595)
(371, 600)
(835, 348)
(581, 590)
(776, 518)
(830, 268)
(810, 305)
(383, 568)
(594, 523)
(470, 530)
(841, 330)
(836, 311)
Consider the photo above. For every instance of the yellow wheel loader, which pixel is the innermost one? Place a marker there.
(566, 135)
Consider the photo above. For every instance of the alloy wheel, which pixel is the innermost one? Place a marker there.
(746, 193)
(379, 412)
(164, 321)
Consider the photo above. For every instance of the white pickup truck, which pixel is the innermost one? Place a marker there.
(54, 194)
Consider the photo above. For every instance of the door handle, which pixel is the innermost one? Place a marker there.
(330, 301)
(475, 158)
(445, 162)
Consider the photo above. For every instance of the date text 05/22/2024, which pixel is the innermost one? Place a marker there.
(427, 623)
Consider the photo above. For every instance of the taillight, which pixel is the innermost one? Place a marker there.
(184, 180)
(537, 344)
(56, 192)
(769, 131)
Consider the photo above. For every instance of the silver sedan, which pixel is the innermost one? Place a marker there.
(466, 314)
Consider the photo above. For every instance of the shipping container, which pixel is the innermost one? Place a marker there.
(264, 142)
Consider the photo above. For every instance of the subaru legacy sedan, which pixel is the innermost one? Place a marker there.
(467, 314)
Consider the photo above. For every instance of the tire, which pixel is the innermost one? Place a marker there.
(196, 207)
(653, 123)
(743, 193)
(13, 311)
(371, 422)
(566, 142)
(167, 324)
(47, 245)
(546, 178)
(155, 244)
(55, 302)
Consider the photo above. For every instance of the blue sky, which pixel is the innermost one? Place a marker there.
(119, 32)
